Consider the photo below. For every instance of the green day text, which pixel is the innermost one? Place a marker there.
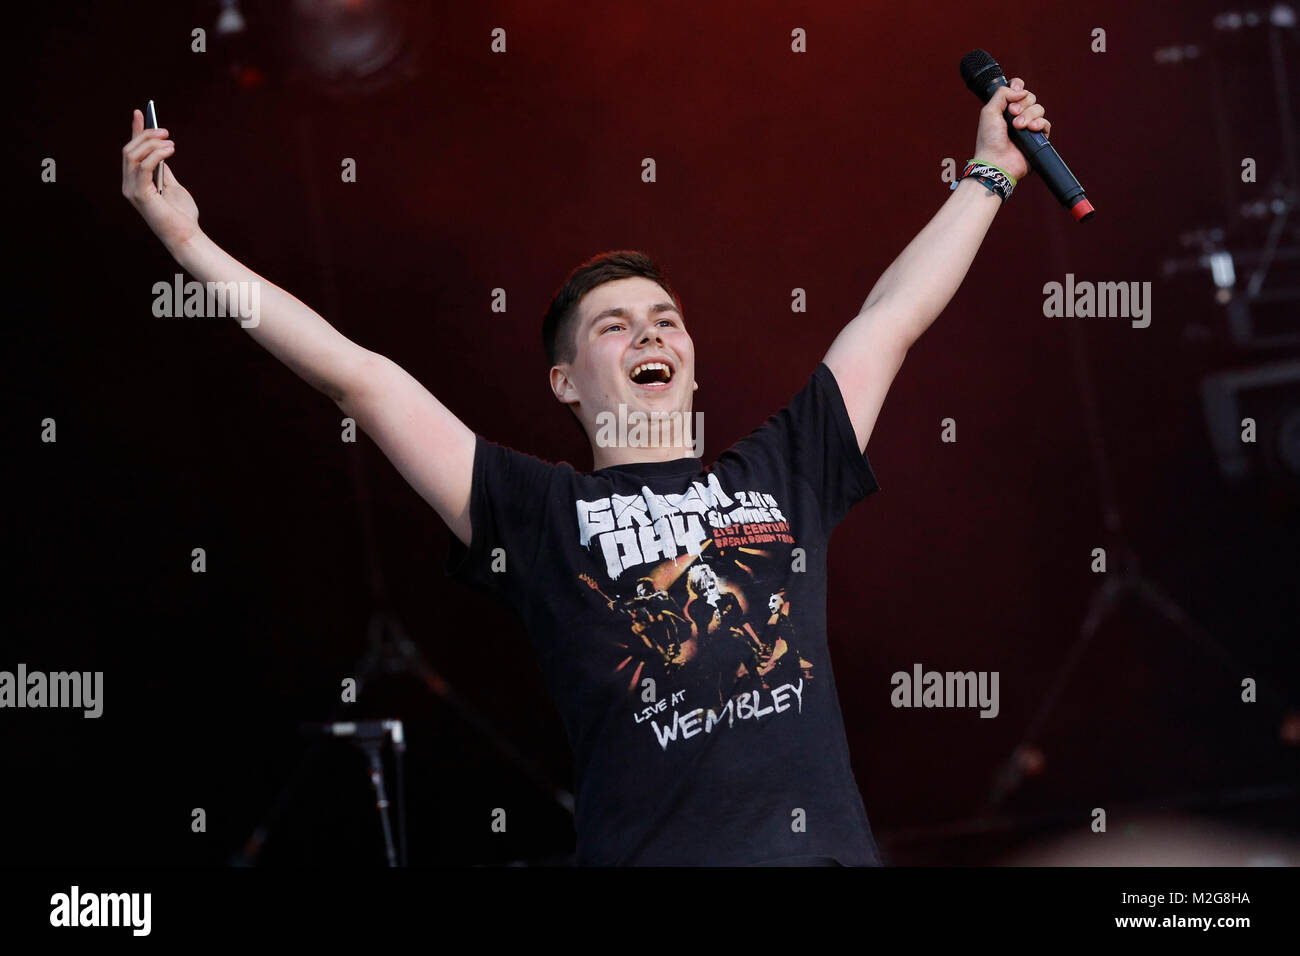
(646, 528)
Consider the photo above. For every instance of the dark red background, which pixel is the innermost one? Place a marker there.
(775, 171)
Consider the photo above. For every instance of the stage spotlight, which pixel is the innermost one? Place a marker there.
(354, 47)
(1030, 760)
(230, 21)
(1221, 269)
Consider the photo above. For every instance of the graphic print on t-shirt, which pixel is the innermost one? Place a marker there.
(699, 581)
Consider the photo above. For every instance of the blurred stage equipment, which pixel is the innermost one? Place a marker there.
(245, 54)
(1253, 258)
(1268, 394)
(352, 48)
(230, 21)
(344, 49)
(1226, 394)
(369, 735)
(389, 652)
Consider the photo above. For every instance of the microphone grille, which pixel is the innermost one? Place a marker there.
(975, 67)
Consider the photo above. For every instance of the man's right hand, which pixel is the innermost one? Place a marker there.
(171, 214)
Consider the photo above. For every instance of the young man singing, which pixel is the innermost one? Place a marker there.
(678, 613)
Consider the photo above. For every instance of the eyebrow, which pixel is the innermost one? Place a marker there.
(619, 312)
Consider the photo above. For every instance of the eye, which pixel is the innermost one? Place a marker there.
(669, 321)
(608, 327)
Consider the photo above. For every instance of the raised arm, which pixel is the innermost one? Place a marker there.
(918, 285)
(430, 446)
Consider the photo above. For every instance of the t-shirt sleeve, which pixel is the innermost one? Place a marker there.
(812, 439)
(509, 497)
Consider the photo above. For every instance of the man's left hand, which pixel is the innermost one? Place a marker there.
(992, 144)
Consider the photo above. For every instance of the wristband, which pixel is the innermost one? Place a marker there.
(993, 178)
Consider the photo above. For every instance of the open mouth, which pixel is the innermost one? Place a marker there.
(653, 374)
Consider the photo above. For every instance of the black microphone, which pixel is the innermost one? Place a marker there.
(983, 76)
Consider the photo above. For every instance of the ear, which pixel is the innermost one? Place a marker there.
(695, 386)
(562, 386)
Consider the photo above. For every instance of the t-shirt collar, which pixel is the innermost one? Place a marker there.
(686, 465)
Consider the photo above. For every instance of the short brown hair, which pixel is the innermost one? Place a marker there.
(558, 338)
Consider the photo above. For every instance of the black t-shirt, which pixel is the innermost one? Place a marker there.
(678, 615)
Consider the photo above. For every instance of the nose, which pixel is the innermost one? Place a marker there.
(651, 334)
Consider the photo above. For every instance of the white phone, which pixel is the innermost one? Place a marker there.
(151, 122)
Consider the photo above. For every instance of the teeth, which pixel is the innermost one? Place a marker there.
(646, 366)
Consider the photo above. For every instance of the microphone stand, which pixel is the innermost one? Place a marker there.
(369, 736)
(371, 749)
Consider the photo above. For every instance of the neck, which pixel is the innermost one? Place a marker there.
(604, 457)
(667, 436)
